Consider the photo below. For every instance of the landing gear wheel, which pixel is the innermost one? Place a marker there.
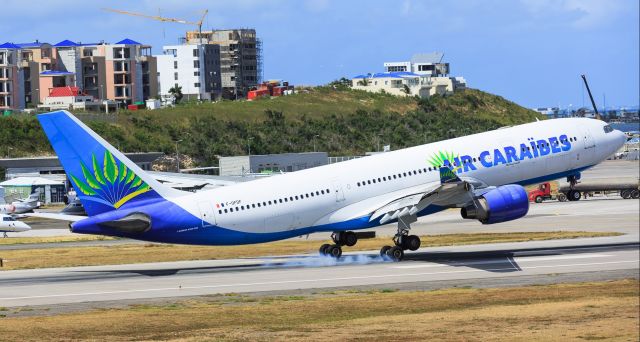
(383, 251)
(334, 251)
(395, 253)
(323, 249)
(412, 242)
(574, 195)
(350, 239)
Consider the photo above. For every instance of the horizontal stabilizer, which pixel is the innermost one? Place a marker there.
(54, 216)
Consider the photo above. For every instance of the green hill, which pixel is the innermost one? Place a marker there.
(346, 122)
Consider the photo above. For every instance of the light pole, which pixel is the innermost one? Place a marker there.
(314, 142)
(378, 136)
(249, 146)
(178, 155)
(9, 151)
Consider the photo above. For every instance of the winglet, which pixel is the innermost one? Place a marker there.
(448, 176)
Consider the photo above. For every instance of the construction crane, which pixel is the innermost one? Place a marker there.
(593, 103)
(164, 19)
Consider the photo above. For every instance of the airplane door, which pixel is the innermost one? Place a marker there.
(337, 189)
(589, 142)
(207, 214)
(589, 146)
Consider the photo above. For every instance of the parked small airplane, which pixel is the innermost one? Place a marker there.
(482, 174)
(22, 206)
(9, 225)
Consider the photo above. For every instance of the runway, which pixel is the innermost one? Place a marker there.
(468, 265)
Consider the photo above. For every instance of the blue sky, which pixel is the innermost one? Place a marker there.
(528, 51)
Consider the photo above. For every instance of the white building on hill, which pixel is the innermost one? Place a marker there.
(424, 75)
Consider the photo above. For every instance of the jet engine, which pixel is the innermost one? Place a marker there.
(504, 203)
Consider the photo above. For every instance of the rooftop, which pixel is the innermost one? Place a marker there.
(8, 45)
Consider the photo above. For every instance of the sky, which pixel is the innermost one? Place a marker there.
(531, 52)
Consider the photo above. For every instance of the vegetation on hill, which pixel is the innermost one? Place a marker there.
(338, 120)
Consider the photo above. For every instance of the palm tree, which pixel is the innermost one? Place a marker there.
(176, 92)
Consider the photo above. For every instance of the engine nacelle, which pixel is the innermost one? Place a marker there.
(504, 203)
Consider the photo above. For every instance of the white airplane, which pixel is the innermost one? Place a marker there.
(482, 174)
(9, 225)
(22, 206)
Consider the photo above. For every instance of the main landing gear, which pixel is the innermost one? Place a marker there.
(340, 239)
(402, 240)
(573, 195)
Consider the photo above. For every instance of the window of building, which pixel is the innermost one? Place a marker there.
(195, 52)
(175, 64)
(196, 64)
(196, 73)
(197, 85)
(175, 76)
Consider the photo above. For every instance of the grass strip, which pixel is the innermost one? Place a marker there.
(579, 311)
(53, 239)
(151, 252)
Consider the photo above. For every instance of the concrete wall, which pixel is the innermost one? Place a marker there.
(286, 162)
(423, 86)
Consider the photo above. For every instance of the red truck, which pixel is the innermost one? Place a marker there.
(626, 189)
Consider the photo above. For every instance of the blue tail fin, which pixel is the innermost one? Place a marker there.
(103, 178)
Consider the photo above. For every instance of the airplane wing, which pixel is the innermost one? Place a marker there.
(55, 216)
(195, 182)
(451, 191)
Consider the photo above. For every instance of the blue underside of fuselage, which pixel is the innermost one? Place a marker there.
(198, 234)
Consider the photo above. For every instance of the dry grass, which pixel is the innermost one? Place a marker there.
(140, 253)
(585, 311)
(53, 239)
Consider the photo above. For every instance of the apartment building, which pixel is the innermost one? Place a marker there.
(11, 78)
(240, 58)
(193, 67)
(124, 72)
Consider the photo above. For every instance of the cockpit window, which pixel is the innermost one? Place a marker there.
(7, 218)
(608, 129)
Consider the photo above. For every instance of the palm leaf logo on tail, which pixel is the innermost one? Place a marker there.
(113, 183)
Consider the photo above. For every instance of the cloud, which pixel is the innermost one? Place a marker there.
(581, 14)
(317, 5)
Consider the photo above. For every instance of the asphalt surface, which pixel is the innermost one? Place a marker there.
(465, 264)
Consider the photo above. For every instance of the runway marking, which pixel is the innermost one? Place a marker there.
(503, 260)
(302, 281)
